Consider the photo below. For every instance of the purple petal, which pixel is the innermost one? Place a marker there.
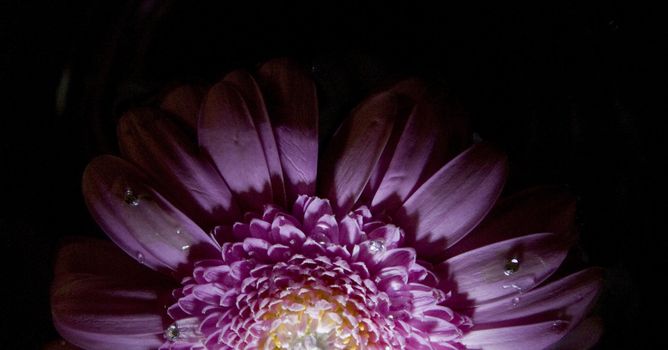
(355, 150)
(430, 136)
(184, 101)
(171, 158)
(568, 297)
(582, 337)
(453, 201)
(139, 220)
(101, 299)
(490, 272)
(227, 134)
(292, 104)
(540, 209)
(246, 85)
(532, 336)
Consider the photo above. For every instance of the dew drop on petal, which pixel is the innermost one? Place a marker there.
(321, 238)
(185, 247)
(559, 326)
(292, 242)
(377, 245)
(512, 266)
(140, 257)
(130, 197)
(515, 301)
(172, 333)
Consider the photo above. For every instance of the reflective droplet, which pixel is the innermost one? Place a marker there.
(172, 333)
(130, 197)
(321, 238)
(516, 301)
(377, 245)
(559, 326)
(512, 266)
(292, 242)
(185, 247)
(179, 231)
(140, 257)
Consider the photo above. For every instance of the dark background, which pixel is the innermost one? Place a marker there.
(566, 89)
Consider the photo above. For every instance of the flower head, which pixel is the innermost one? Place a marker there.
(391, 241)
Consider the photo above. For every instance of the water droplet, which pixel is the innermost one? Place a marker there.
(559, 326)
(292, 242)
(140, 257)
(321, 238)
(377, 245)
(130, 197)
(185, 247)
(179, 231)
(512, 266)
(391, 317)
(172, 333)
(516, 301)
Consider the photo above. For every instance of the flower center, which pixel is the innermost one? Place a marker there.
(308, 280)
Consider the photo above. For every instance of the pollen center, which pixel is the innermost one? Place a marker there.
(307, 280)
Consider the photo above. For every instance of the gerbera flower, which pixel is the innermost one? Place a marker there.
(248, 241)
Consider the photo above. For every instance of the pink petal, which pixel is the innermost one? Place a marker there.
(172, 159)
(483, 275)
(569, 297)
(293, 106)
(540, 209)
(139, 220)
(227, 134)
(453, 201)
(431, 135)
(184, 102)
(251, 93)
(532, 336)
(101, 299)
(355, 150)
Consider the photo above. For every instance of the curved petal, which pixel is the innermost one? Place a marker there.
(251, 93)
(488, 273)
(139, 220)
(355, 150)
(157, 145)
(568, 297)
(101, 299)
(433, 134)
(293, 106)
(453, 201)
(532, 336)
(539, 209)
(184, 102)
(582, 337)
(227, 134)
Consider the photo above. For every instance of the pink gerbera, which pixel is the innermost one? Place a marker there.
(247, 241)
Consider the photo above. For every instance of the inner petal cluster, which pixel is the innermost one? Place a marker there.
(310, 280)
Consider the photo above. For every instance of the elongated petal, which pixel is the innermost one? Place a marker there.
(568, 298)
(251, 93)
(292, 104)
(355, 150)
(540, 209)
(139, 220)
(101, 299)
(453, 201)
(227, 134)
(184, 101)
(532, 336)
(172, 159)
(420, 145)
(488, 273)
(582, 337)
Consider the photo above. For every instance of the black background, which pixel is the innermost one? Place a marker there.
(566, 89)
